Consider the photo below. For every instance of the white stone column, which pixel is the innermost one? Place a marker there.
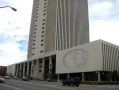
(37, 68)
(58, 78)
(16, 70)
(27, 69)
(68, 76)
(17, 74)
(24, 69)
(43, 67)
(83, 76)
(50, 65)
(20, 70)
(98, 76)
(32, 67)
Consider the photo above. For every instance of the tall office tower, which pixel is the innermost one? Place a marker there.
(57, 25)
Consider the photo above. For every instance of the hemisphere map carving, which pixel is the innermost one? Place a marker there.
(75, 58)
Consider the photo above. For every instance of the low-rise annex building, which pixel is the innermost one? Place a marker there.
(3, 70)
(11, 70)
(91, 61)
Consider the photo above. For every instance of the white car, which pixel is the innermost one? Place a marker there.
(15, 77)
(2, 80)
(7, 77)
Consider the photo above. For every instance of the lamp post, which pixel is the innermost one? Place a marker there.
(14, 9)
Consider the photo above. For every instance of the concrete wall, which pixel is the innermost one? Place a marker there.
(84, 58)
(11, 69)
(57, 25)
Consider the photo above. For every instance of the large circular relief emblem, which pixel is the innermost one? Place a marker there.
(75, 58)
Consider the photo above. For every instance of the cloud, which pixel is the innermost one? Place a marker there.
(15, 26)
(10, 53)
(104, 20)
(14, 31)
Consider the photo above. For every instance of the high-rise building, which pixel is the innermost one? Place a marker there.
(57, 25)
(59, 29)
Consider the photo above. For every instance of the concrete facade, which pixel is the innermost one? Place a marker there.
(11, 70)
(57, 25)
(59, 45)
(91, 61)
(3, 70)
(95, 56)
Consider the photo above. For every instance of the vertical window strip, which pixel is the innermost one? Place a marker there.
(59, 26)
(65, 24)
(117, 63)
(103, 56)
(69, 23)
(61, 16)
(106, 55)
(63, 20)
(56, 32)
(115, 60)
(112, 59)
(73, 24)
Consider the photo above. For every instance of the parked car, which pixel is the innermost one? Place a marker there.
(15, 77)
(2, 80)
(71, 81)
(7, 77)
(25, 78)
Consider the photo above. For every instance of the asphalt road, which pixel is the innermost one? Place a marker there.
(43, 85)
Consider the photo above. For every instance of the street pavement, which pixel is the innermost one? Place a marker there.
(11, 84)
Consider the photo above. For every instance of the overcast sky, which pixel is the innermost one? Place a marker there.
(15, 26)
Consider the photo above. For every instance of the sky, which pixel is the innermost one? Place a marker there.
(15, 26)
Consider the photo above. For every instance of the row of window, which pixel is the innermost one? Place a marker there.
(43, 24)
(35, 26)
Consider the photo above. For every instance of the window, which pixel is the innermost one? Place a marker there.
(43, 23)
(39, 70)
(44, 6)
(44, 14)
(43, 27)
(44, 10)
(35, 28)
(36, 17)
(42, 36)
(36, 13)
(40, 62)
(40, 66)
(36, 20)
(43, 19)
(42, 31)
(37, 6)
(41, 51)
(37, 3)
(41, 44)
(44, 3)
(34, 36)
(42, 40)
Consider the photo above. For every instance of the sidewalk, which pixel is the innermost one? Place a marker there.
(60, 84)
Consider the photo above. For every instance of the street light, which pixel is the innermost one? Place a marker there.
(14, 9)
